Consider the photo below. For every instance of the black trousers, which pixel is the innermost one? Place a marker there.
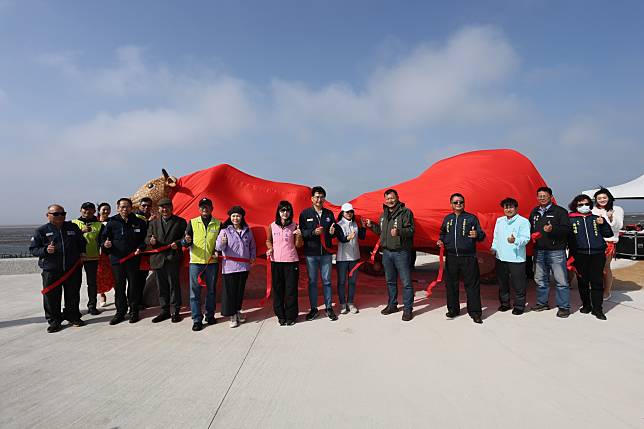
(91, 268)
(590, 280)
(511, 273)
(142, 277)
(168, 284)
(52, 299)
(285, 278)
(126, 273)
(232, 292)
(468, 267)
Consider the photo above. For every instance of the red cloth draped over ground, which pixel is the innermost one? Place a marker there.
(483, 177)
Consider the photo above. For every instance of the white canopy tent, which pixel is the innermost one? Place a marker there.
(633, 190)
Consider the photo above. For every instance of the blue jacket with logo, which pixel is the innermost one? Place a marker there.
(69, 243)
(455, 234)
(587, 236)
(126, 236)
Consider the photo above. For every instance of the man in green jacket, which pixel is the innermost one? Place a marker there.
(396, 230)
(91, 229)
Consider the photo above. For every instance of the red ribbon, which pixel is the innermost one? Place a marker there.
(535, 236)
(610, 248)
(439, 278)
(372, 259)
(145, 252)
(570, 265)
(63, 278)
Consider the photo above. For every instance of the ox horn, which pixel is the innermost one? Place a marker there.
(169, 180)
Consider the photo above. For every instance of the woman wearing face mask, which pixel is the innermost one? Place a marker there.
(615, 215)
(587, 246)
(235, 240)
(104, 276)
(282, 240)
(348, 255)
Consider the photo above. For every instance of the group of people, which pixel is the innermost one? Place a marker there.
(110, 249)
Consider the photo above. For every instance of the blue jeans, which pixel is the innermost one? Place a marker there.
(344, 267)
(210, 275)
(398, 264)
(323, 265)
(555, 261)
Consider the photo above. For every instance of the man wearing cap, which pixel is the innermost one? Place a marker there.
(124, 235)
(59, 245)
(167, 229)
(201, 235)
(396, 231)
(91, 229)
(316, 224)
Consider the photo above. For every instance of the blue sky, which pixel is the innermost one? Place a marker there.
(96, 97)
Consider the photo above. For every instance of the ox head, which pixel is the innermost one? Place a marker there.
(155, 189)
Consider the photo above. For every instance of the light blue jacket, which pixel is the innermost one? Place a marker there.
(517, 226)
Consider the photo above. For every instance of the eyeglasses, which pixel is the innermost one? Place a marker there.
(145, 205)
(457, 203)
(56, 214)
(583, 205)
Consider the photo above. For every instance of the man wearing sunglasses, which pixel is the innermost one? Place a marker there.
(59, 245)
(459, 234)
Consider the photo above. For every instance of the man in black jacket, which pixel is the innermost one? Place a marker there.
(123, 235)
(550, 226)
(396, 231)
(59, 245)
(460, 231)
(167, 229)
(316, 224)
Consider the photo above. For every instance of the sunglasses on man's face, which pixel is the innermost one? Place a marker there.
(458, 203)
(56, 214)
(583, 205)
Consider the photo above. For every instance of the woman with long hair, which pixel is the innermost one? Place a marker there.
(282, 240)
(104, 276)
(588, 247)
(235, 241)
(615, 215)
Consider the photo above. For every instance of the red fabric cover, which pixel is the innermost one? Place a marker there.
(484, 177)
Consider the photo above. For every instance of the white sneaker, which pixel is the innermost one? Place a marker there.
(345, 309)
(353, 309)
(606, 298)
(103, 300)
(240, 317)
(233, 321)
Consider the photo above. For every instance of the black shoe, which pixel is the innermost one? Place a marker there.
(540, 307)
(134, 317)
(282, 322)
(93, 311)
(585, 310)
(176, 317)
(197, 326)
(331, 314)
(563, 313)
(54, 327)
(504, 307)
(211, 320)
(599, 314)
(452, 314)
(161, 317)
(390, 309)
(517, 312)
(312, 314)
(78, 323)
(407, 316)
(290, 322)
(477, 319)
(117, 319)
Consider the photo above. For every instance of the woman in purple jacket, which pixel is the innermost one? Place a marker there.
(235, 241)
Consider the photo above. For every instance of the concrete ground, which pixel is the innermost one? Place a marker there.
(365, 370)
